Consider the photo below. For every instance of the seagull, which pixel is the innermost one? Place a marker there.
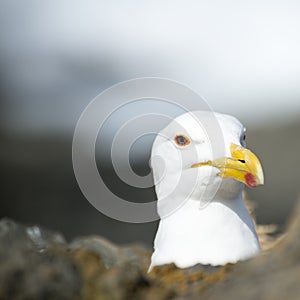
(200, 166)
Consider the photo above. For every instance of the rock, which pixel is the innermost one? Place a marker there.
(34, 265)
(39, 264)
(107, 251)
(111, 254)
(108, 271)
(34, 238)
(186, 282)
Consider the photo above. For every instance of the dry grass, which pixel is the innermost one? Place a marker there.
(269, 235)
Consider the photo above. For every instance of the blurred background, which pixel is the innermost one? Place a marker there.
(56, 56)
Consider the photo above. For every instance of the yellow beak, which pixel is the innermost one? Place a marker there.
(243, 166)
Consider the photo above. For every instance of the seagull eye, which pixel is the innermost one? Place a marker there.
(243, 139)
(182, 140)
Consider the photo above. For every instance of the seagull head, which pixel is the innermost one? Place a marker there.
(202, 155)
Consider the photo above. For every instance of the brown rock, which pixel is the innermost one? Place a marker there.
(39, 264)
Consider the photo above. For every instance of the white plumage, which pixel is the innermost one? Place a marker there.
(200, 166)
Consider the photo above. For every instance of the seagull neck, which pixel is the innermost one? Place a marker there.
(219, 232)
(227, 199)
(234, 204)
(235, 207)
(230, 198)
(176, 204)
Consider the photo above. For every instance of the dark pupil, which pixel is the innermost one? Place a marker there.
(181, 140)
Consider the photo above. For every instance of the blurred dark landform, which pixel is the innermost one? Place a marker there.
(39, 186)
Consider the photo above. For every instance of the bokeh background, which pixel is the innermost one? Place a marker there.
(56, 56)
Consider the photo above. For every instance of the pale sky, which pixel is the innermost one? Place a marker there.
(242, 57)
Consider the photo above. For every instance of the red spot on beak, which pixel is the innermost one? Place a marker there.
(250, 180)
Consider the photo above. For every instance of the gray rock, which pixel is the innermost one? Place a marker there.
(34, 238)
(34, 265)
(38, 264)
